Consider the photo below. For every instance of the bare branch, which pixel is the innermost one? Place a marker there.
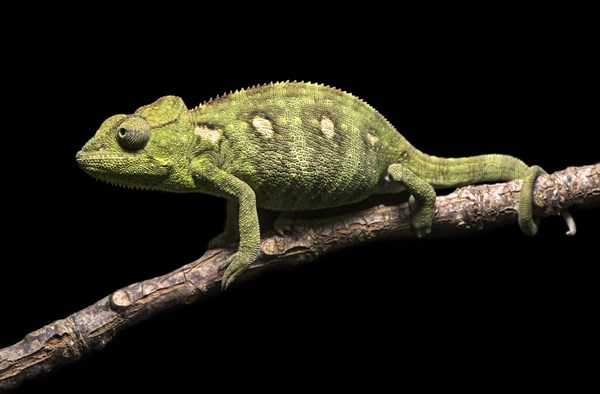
(468, 208)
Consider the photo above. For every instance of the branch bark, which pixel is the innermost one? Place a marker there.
(466, 209)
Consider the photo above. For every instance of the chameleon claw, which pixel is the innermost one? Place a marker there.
(226, 281)
(235, 268)
(422, 232)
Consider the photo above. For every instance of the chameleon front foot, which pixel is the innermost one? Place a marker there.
(237, 265)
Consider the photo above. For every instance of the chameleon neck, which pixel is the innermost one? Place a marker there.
(454, 172)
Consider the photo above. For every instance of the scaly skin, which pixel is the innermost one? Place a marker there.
(283, 146)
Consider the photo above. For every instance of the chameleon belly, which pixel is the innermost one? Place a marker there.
(302, 146)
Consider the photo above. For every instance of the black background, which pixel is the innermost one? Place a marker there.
(455, 78)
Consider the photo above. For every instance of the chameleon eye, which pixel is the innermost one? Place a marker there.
(133, 133)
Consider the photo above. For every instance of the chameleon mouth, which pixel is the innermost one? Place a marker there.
(100, 166)
(85, 159)
(109, 168)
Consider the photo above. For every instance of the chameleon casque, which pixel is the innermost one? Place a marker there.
(284, 146)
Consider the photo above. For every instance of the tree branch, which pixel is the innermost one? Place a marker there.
(467, 209)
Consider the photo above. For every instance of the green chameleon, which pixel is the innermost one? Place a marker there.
(284, 146)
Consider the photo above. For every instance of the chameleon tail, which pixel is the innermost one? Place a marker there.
(455, 172)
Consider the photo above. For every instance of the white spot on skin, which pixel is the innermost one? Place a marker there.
(263, 126)
(207, 134)
(372, 139)
(327, 127)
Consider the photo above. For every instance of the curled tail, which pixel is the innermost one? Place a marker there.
(455, 172)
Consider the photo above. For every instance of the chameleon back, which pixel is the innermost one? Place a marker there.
(302, 146)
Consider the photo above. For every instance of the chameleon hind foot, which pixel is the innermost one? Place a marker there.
(421, 217)
(421, 200)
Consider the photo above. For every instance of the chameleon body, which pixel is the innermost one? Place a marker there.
(283, 146)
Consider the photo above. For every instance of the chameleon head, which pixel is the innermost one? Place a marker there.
(143, 150)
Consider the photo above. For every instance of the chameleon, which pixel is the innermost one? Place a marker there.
(284, 146)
